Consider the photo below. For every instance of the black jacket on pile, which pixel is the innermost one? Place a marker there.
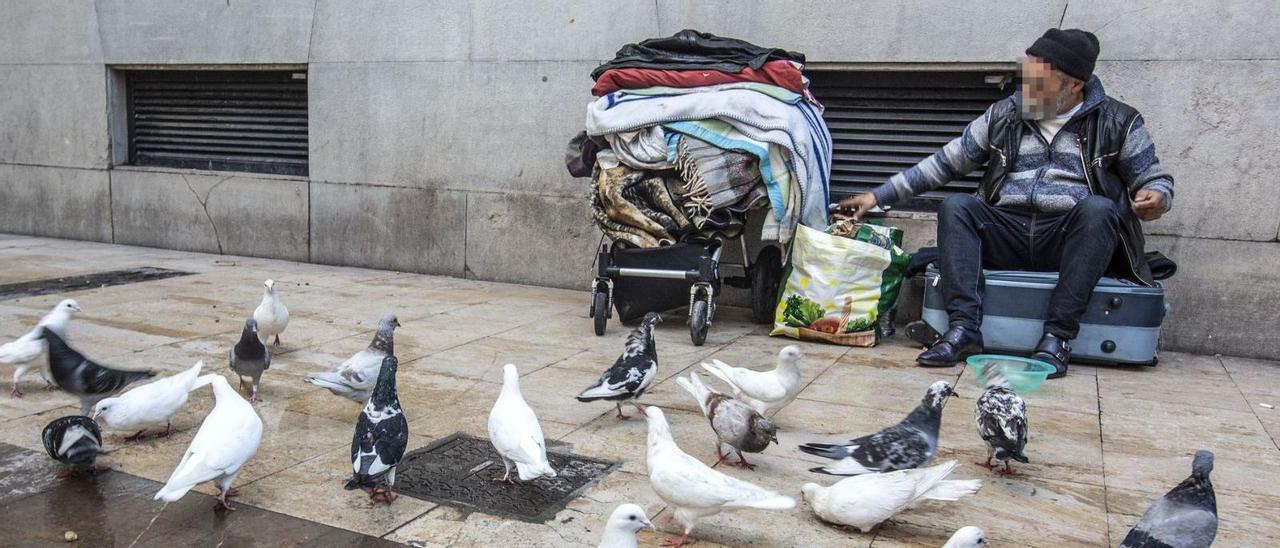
(693, 50)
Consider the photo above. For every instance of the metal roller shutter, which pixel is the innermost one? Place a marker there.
(883, 122)
(219, 120)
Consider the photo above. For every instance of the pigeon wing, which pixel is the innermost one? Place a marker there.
(894, 448)
(223, 444)
(379, 446)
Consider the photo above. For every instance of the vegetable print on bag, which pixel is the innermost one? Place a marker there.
(839, 284)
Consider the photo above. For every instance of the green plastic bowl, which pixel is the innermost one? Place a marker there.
(1025, 375)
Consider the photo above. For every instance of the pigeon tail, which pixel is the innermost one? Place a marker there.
(172, 493)
(329, 380)
(131, 376)
(696, 388)
(771, 502)
(719, 369)
(530, 472)
(598, 392)
(1005, 454)
(953, 489)
(825, 450)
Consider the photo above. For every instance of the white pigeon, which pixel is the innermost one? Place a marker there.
(515, 432)
(356, 377)
(694, 489)
(272, 316)
(27, 348)
(967, 537)
(763, 390)
(227, 439)
(148, 405)
(866, 500)
(625, 521)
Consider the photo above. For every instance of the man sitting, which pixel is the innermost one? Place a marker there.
(1069, 174)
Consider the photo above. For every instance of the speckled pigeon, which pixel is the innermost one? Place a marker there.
(78, 375)
(911, 443)
(74, 441)
(634, 370)
(1001, 416)
(734, 422)
(382, 434)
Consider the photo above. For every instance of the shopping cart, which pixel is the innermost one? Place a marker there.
(634, 281)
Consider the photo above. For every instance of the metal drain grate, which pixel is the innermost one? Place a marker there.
(460, 471)
(86, 281)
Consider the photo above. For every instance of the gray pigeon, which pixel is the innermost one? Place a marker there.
(78, 375)
(250, 357)
(1001, 416)
(74, 441)
(734, 422)
(911, 443)
(356, 377)
(633, 371)
(1186, 517)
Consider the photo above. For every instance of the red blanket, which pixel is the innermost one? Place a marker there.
(777, 72)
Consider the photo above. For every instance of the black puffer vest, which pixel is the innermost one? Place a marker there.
(1101, 132)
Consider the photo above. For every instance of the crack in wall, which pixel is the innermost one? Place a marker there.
(204, 205)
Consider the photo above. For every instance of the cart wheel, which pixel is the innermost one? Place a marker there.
(766, 274)
(698, 322)
(600, 311)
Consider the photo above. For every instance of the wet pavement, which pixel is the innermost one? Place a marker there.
(114, 508)
(1105, 441)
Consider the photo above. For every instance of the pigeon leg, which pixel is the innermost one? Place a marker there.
(1008, 470)
(48, 384)
(253, 396)
(168, 429)
(277, 339)
(222, 503)
(638, 407)
(241, 384)
(135, 437)
(621, 417)
(988, 465)
(721, 456)
(506, 478)
(742, 462)
(682, 540)
(64, 473)
(17, 374)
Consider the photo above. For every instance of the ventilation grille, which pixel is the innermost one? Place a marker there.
(219, 120)
(883, 122)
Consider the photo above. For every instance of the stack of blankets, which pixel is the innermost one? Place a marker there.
(690, 132)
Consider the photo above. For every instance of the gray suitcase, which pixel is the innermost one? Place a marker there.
(1121, 324)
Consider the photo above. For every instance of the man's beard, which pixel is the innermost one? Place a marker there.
(1035, 111)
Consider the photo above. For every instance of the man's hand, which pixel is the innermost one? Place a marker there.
(1148, 205)
(859, 205)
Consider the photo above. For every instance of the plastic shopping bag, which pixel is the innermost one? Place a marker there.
(837, 285)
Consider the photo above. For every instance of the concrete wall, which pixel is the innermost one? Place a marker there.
(438, 128)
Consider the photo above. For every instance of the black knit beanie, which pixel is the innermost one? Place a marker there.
(1072, 51)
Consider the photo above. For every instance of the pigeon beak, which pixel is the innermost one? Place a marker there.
(650, 525)
(94, 416)
(76, 308)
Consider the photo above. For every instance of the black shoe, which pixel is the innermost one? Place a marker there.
(955, 345)
(1055, 351)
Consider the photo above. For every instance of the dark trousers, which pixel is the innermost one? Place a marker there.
(1078, 244)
